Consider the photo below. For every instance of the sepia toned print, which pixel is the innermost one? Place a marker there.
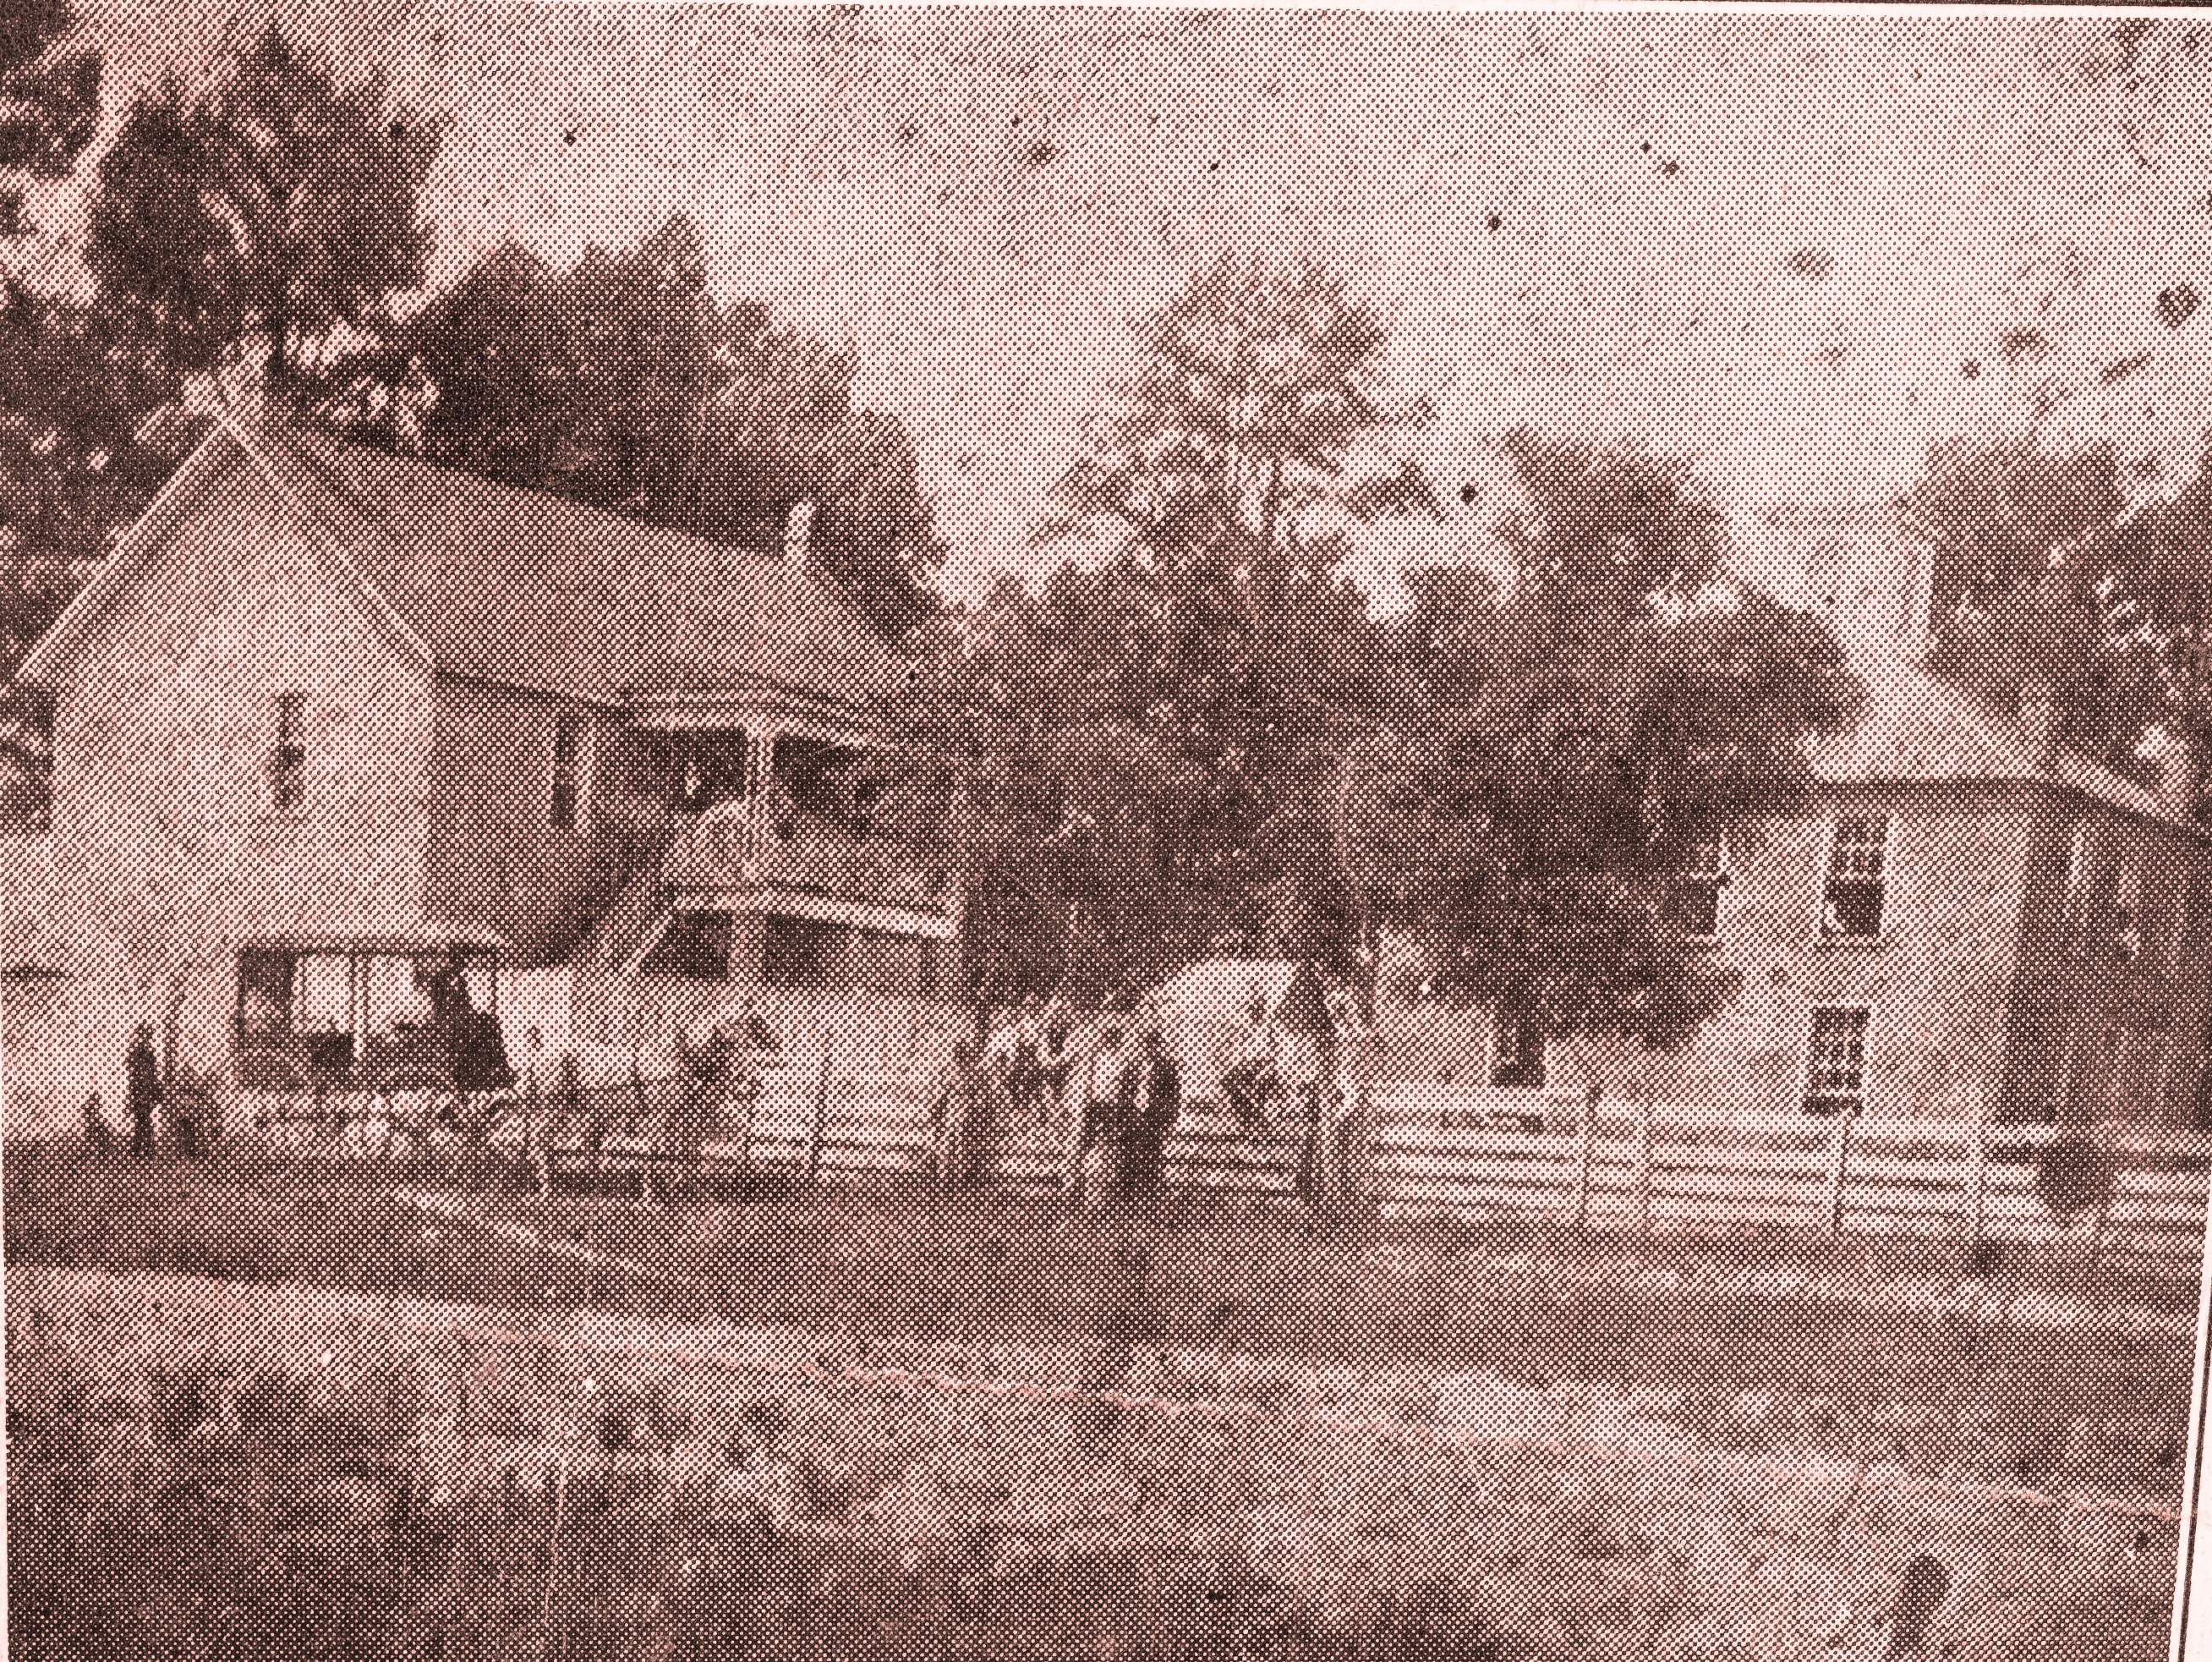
(974, 833)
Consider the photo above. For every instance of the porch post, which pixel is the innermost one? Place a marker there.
(760, 764)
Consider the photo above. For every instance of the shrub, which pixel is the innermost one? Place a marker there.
(2073, 1175)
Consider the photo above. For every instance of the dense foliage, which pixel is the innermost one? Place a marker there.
(623, 382)
(1198, 734)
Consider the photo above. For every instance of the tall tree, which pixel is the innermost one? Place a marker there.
(1147, 749)
(265, 211)
(623, 382)
(2046, 571)
(49, 100)
(1567, 731)
(87, 436)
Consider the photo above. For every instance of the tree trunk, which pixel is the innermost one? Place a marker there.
(1271, 507)
(1357, 1131)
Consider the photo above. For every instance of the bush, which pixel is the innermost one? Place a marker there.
(2073, 1175)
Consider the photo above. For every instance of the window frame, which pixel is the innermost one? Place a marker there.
(1808, 1077)
(1884, 883)
(1715, 878)
(286, 764)
(1525, 1065)
(565, 803)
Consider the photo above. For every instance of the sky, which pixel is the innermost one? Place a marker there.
(1796, 248)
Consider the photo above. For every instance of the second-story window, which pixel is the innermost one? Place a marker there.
(1517, 1050)
(1858, 878)
(566, 740)
(2127, 935)
(1836, 1060)
(288, 757)
(2075, 923)
(1696, 902)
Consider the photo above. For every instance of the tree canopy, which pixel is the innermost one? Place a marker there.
(1146, 746)
(49, 100)
(268, 209)
(87, 436)
(623, 382)
(1570, 729)
(1198, 734)
(2046, 571)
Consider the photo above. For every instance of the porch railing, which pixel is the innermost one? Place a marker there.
(721, 850)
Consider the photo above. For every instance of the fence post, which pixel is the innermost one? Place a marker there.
(815, 1131)
(1839, 1160)
(1365, 1130)
(1978, 1182)
(1584, 1158)
(1644, 1163)
(2108, 1179)
(914, 1088)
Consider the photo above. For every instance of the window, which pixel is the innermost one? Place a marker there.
(1836, 1071)
(795, 953)
(2076, 921)
(566, 740)
(2128, 914)
(287, 757)
(1517, 1051)
(1696, 902)
(696, 946)
(1857, 879)
(265, 992)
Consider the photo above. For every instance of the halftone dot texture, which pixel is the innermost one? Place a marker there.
(1859, 1324)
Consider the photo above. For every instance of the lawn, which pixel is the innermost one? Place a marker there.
(178, 1451)
(1701, 1327)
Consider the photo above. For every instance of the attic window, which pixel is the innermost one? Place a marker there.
(1858, 880)
(1697, 896)
(565, 742)
(288, 757)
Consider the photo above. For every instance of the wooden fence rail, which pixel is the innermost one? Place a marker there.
(2133, 1199)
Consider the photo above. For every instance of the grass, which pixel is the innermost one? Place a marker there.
(204, 1470)
(1737, 1342)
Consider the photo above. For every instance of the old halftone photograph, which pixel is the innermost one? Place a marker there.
(992, 834)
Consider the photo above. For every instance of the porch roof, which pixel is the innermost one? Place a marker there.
(413, 943)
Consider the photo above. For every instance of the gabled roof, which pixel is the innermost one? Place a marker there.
(531, 590)
(1916, 729)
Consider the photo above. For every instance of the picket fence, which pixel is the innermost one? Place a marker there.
(1441, 1151)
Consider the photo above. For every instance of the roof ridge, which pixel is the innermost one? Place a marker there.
(1994, 748)
(538, 589)
(486, 483)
